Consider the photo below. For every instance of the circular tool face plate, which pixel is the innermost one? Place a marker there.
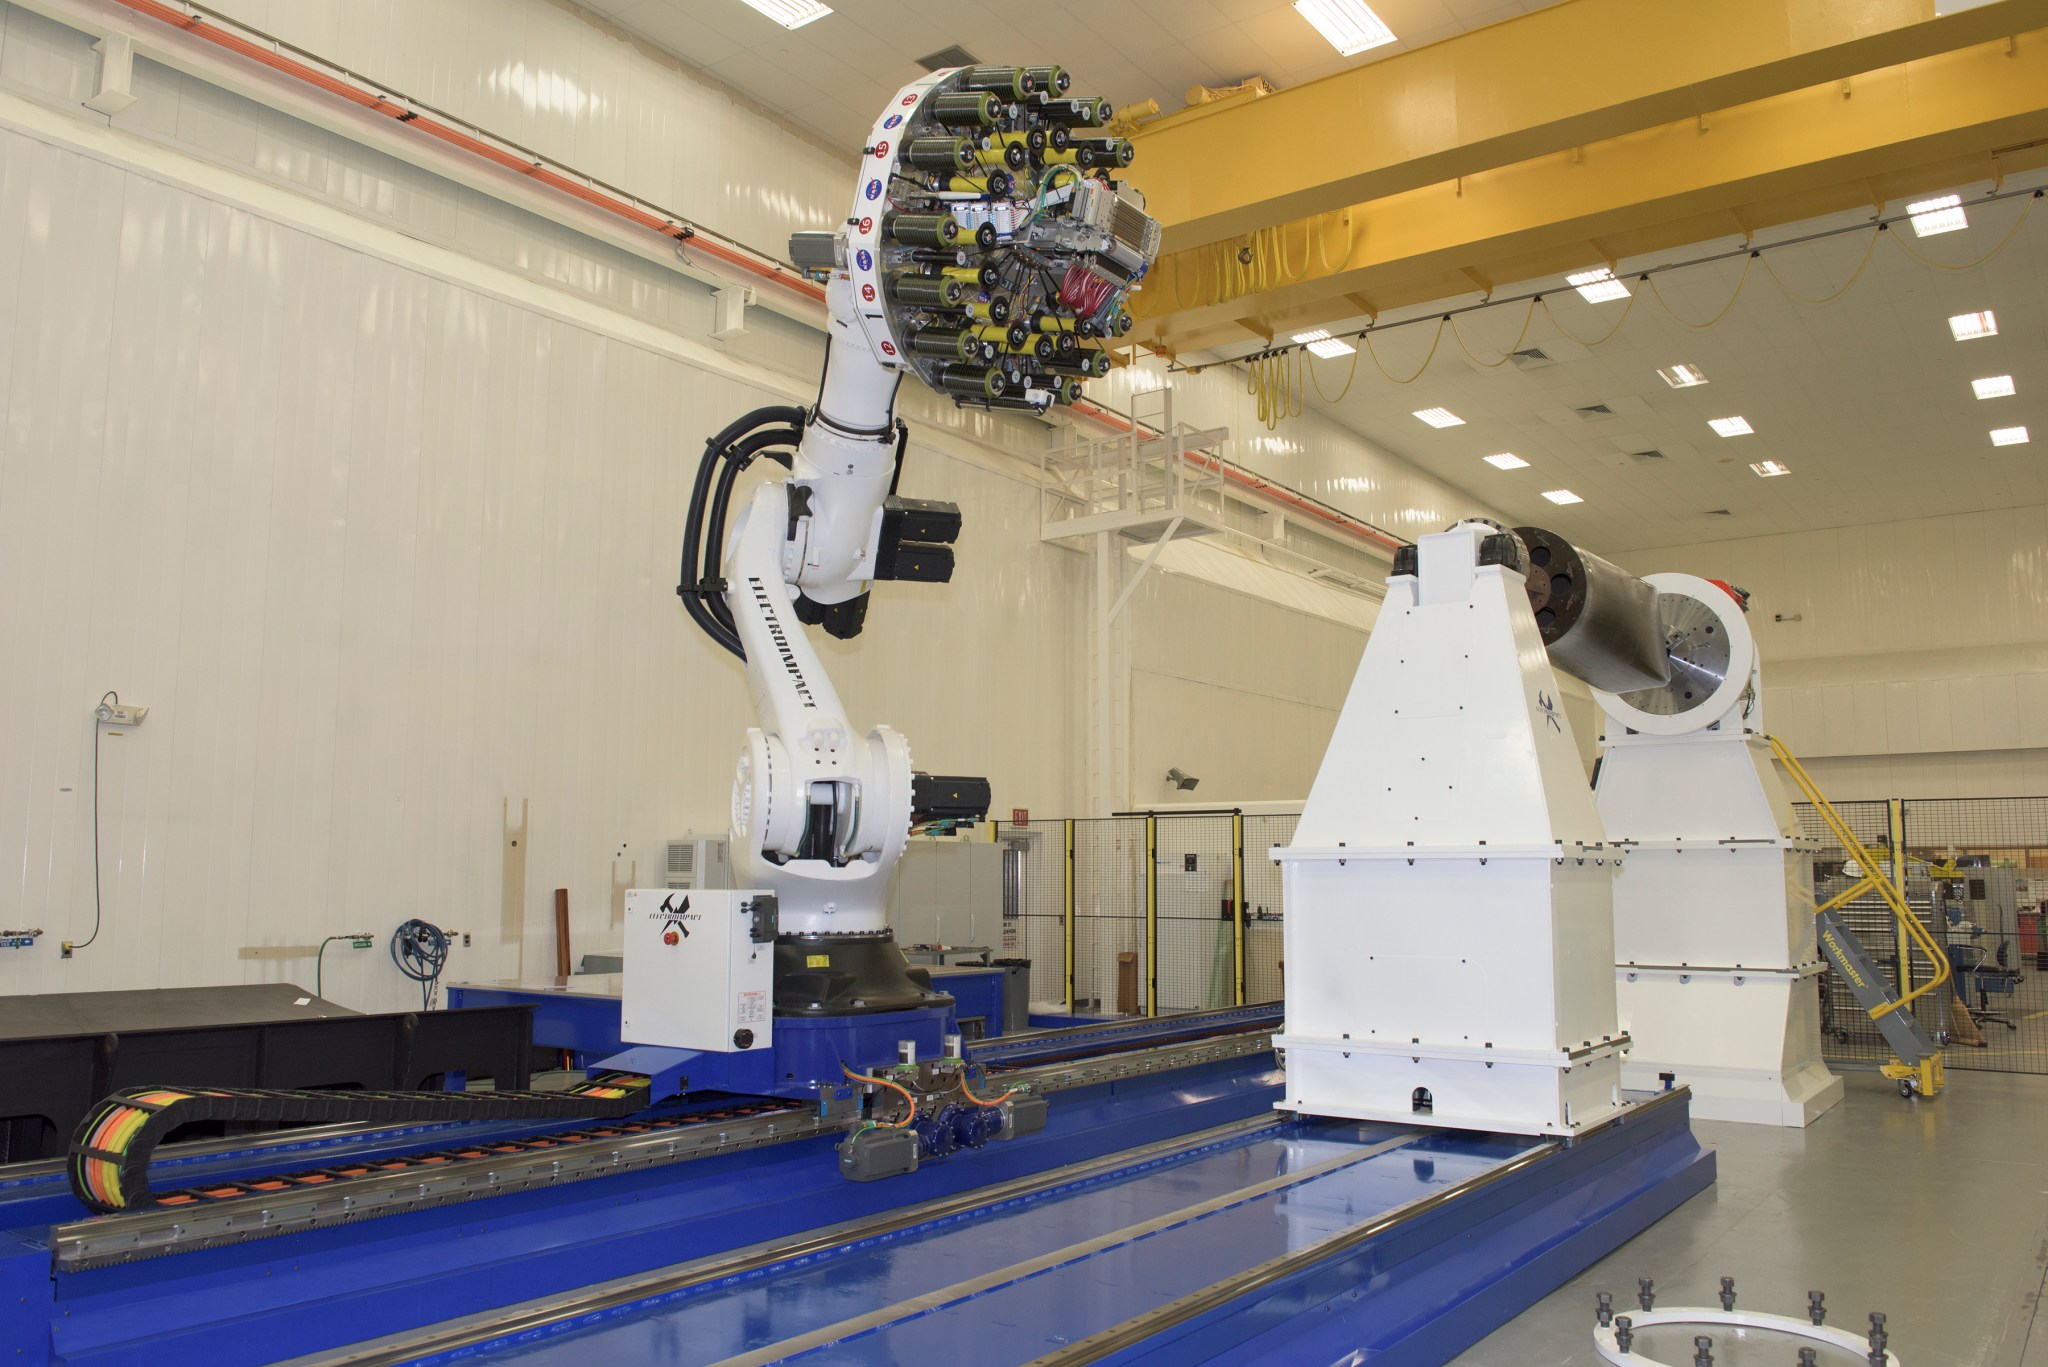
(1711, 653)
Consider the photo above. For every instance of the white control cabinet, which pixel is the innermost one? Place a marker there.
(700, 968)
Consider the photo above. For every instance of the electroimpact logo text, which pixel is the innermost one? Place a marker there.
(781, 639)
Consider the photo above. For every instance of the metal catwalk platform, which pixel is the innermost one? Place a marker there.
(1263, 1241)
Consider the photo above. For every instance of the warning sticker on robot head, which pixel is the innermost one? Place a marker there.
(751, 1009)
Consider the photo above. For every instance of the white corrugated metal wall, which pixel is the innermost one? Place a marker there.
(1906, 659)
(369, 486)
(382, 553)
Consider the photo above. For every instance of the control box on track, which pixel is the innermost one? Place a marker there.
(699, 971)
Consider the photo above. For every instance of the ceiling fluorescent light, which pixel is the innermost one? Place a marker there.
(1439, 417)
(1349, 26)
(1597, 287)
(1737, 426)
(1768, 468)
(1993, 387)
(2010, 436)
(1944, 215)
(1562, 496)
(1966, 326)
(1323, 344)
(791, 14)
(1682, 376)
(1507, 460)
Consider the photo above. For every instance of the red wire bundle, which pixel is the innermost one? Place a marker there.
(1083, 291)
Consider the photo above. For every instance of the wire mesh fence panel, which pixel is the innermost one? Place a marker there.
(1194, 890)
(1987, 859)
(1847, 1033)
(1110, 967)
(1035, 903)
(1264, 914)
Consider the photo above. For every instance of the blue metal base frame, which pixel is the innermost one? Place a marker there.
(1295, 1243)
(1431, 1287)
(587, 1024)
(253, 1303)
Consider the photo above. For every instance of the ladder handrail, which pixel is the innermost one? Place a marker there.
(1872, 878)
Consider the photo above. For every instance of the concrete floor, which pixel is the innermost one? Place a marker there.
(1935, 1212)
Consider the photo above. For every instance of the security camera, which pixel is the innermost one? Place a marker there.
(1185, 782)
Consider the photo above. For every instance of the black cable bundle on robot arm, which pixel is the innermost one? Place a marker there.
(725, 456)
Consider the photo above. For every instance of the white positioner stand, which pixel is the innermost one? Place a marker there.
(1449, 914)
(1714, 931)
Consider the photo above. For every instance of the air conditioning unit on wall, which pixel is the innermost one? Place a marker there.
(697, 861)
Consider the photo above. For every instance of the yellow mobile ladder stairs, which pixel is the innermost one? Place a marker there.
(1916, 1054)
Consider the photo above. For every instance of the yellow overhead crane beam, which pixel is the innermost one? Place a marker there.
(1531, 147)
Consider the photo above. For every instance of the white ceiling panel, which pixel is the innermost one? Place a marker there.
(1867, 397)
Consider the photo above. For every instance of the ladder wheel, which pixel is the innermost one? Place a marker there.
(1906, 1088)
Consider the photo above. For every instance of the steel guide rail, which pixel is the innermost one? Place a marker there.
(1268, 1274)
(1104, 1033)
(539, 1318)
(233, 1211)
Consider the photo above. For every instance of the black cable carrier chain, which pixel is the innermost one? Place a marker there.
(110, 1153)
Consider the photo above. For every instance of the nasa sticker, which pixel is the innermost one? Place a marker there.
(892, 121)
(867, 292)
(874, 189)
(882, 149)
(864, 257)
(888, 349)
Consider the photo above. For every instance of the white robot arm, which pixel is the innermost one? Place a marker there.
(989, 254)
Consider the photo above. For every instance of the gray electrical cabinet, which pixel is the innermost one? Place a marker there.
(949, 892)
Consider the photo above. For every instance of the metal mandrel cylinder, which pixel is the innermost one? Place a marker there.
(1599, 621)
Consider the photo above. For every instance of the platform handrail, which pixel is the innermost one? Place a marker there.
(1873, 878)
